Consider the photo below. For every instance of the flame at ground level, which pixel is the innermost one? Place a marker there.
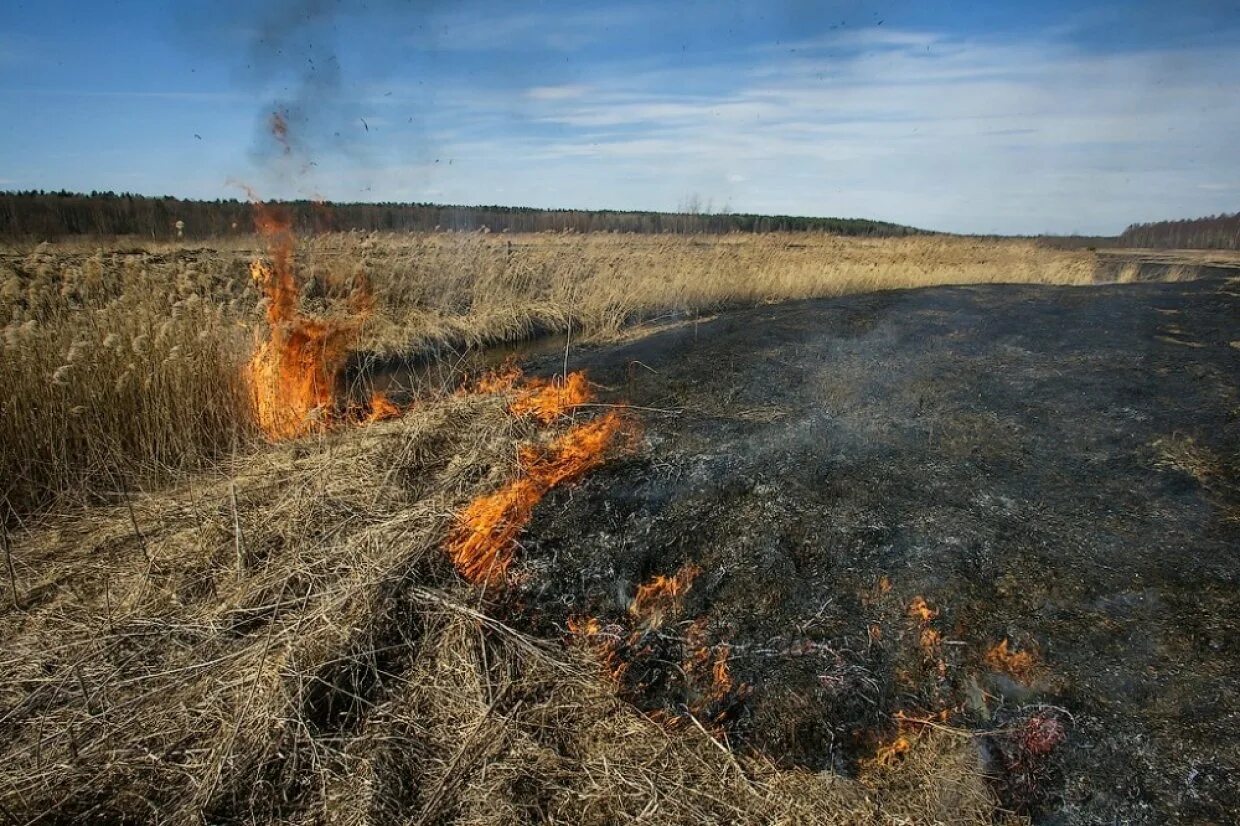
(1013, 663)
(485, 539)
(661, 596)
(294, 373)
(547, 400)
(381, 407)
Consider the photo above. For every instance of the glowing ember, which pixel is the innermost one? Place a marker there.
(485, 539)
(1014, 663)
(661, 596)
(890, 753)
(920, 610)
(546, 400)
(294, 374)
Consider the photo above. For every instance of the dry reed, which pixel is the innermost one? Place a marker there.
(122, 368)
(283, 641)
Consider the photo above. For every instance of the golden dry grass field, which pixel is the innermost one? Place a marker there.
(122, 366)
(196, 621)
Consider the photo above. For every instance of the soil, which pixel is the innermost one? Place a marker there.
(1054, 467)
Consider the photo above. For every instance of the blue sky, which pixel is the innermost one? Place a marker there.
(971, 117)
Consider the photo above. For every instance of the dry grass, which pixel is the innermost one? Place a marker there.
(113, 372)
(273, 634)
(283, 641)
(121, 368)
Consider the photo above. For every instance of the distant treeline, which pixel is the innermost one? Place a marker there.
(42, 215)
(1217, 232)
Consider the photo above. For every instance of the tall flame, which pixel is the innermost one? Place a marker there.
(294, 373)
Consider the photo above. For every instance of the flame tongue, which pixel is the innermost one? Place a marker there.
(381, 407)
(548, 400)
(661, 596)
(294, 374)
(485, 539)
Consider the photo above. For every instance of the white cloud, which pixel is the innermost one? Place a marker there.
(467, 29)
(955, 134)
(565, 92)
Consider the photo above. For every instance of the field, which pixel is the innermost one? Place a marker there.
(362, 614)
(123, 365)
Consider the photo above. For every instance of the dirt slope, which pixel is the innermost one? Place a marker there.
(1057, 467)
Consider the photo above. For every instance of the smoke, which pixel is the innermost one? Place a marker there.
(292, 55)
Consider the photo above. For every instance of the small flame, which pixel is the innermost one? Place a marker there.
(497, 380)
(1014, 663)
(546, 400)
(920, 610)
(891, 752)
(485, 539)
(605, 642)
(381, 407)
(930, 639)
(661, 596)
(721, 686)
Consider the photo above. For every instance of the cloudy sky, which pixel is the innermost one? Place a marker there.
(972, 117)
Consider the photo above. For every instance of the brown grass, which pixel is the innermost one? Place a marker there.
(120, 368)
(283, 641)
(258, 634)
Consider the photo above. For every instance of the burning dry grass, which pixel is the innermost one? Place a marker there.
(121, 367)
(286, 642)
(485, 538)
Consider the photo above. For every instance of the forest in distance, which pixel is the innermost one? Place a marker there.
(41, 215)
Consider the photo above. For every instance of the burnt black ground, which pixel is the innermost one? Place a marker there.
(1057, 466)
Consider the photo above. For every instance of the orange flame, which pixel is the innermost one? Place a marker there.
(499, 379)
(546, 400)
(661, 596)
(604, 642)
(1014, 663)
(295, 372)
(920, 610)
(485, 539)
(890, 753)
(381, 407)
(721, 684)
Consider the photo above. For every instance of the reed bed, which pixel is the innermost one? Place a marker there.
(122, 366)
